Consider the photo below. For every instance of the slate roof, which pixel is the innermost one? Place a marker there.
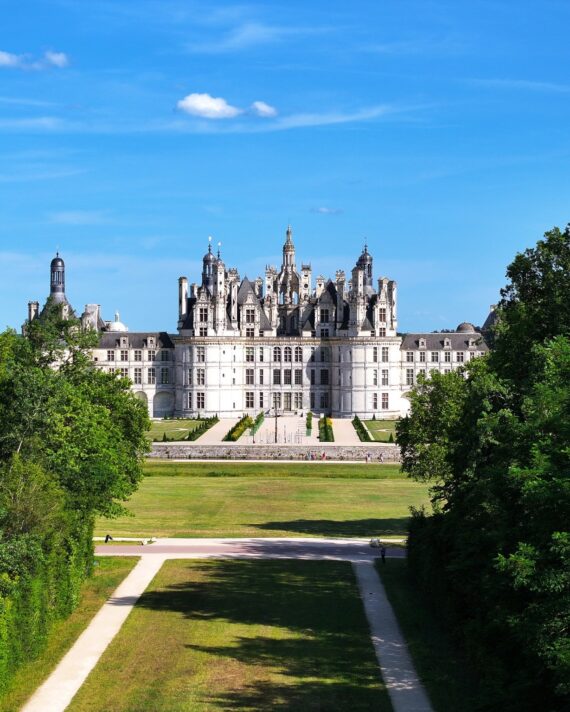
(136, 339)
(434, 342)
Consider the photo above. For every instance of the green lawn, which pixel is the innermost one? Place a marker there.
(174, 429)
(229, 499)
(441, 668)
(382, 429)
(241, 635)
(107, 576)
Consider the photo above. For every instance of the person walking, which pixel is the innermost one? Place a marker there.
(383, 553)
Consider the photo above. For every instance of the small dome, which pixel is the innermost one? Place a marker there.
(117, 325)
(466, 328)
(365, 258)
(209, 258)
(57, 263)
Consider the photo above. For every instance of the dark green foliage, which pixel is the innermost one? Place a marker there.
(257, 423)
(309, 422)
(495, 553)
(205, 424)
(238, 429)
(326, 434)
(361, 431)
(164, 438)
(72, 442)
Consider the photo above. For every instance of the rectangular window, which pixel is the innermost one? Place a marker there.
(249, 354)
(382, 314)
(200, 376)
(287, 376)
(324, 377)
(203, 314)
(261, 400)
(382, 331)
(277, 377)
(324, 400)
(189, 401)
(151, 355)
(249, 333)
(385, 354)
(409, 377)
(200, 401)
(375, 353)
(298, 400)
(261, 376)
(312, 376)
(203, 331)
(249, 402)
(124, 355)
(277, 400)
(434, 356)
(375, 401)
(261, 354)
(201, 354)
(312, 401)
(138, 355)
(151, 375)
(384, 376)
(165, 355)
(447, 356)
(124, 372)
(250, 317)
(298, 353)
(384, 401)
(138, 376)
(410, 356)
(422, 356)
(298, 377)
(189, 376)
(447, 370)
(164, 376)
(460, 356)
(110, 355)
(325, 316)
(374, 377)
(249, 377)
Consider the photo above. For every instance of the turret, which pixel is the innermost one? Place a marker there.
(208, 269)
(289, 250)
(57, 280)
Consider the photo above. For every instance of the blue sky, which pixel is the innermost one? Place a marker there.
(130, 131)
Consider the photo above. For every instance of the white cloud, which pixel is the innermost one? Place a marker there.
(10, 60)
(262, 109)
(327, 211)
(24, 61)
(79, 217)
(251, 34)
(57, 59)
(523, 84)
(208, 107)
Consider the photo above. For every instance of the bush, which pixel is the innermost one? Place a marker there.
(326, 434)
(239, 429)
(309, 423)
(205, 424)
(361, 430)
(257, 423)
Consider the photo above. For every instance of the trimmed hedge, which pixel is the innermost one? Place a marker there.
(309, 423)
(361, 430)
(257, 423)
(326, 434)
(238, 429)
(205, 424)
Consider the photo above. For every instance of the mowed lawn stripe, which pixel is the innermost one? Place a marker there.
(241, 635)
(246, 506)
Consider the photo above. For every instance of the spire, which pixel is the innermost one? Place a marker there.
(219, 250)
(210, 244)
(289, 234)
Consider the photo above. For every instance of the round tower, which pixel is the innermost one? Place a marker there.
(57, 280)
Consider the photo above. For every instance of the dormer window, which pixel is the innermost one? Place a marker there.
(151, 342)
(422, 343)
(446, 344)
(124, 341)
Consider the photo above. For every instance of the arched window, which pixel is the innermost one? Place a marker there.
(277, 353)
(287, 354)
(298, 353)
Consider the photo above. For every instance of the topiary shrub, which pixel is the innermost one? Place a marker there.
(361, 430)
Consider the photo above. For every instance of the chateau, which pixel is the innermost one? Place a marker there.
(275, 343)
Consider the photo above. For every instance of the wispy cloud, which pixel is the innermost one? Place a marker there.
(248, 35)
(80, 217)
(23, 101)
(264, 110)
(327, 211)
(46, 123)
(38, 174)
(50, 59)
(523, 84)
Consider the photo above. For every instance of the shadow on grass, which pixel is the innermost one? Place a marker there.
(320, 657)
(344, 528)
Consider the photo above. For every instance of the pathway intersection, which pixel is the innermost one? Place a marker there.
(404, 687)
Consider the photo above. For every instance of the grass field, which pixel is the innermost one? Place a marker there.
(441, 668)
(107, 576)
(174, 429)
(382, 429)
(241, 499)
(241, 635)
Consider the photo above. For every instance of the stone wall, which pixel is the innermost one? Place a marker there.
(235, 451)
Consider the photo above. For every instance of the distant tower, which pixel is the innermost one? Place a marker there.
(208, 269)
(57, 280)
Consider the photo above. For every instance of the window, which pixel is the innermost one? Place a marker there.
(200, 400)
(249, 377)
(287, 376)
(203, 314)
(298, 377)
(277, 377)
(382, 314)
(447, 356)
(249, 402)
(447, 370)
(277, 400)
(261, 400)
(200, 376)
(375, 353)
(385, 354)
(384, 376)
(422, 356)
(249, 353)
(325, 377)
(374, 377)
(110, 355)
(324, 400)
(384, 401)
(434, 356)
(189, 376)
(151, 375)
(325, 316)
(249, 333)
(124, 355)
(165, 355)
(138, 376)
(460, 357)
(410, 356)
(312, 376)
(151, 355)
(261, 376)
(203, 331)
(138, 355)
(325, 354)
(261, 354)
(382, 331)
(250, 317)
(298, 400)
(312, 401)
(325, 333)
(287, 353)
(409, 377)
(164, 376)
(375, 401)
(189, 395)
(277, 354)
(201, 354)
(298, 353)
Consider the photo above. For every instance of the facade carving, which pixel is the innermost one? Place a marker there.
(275, 343)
